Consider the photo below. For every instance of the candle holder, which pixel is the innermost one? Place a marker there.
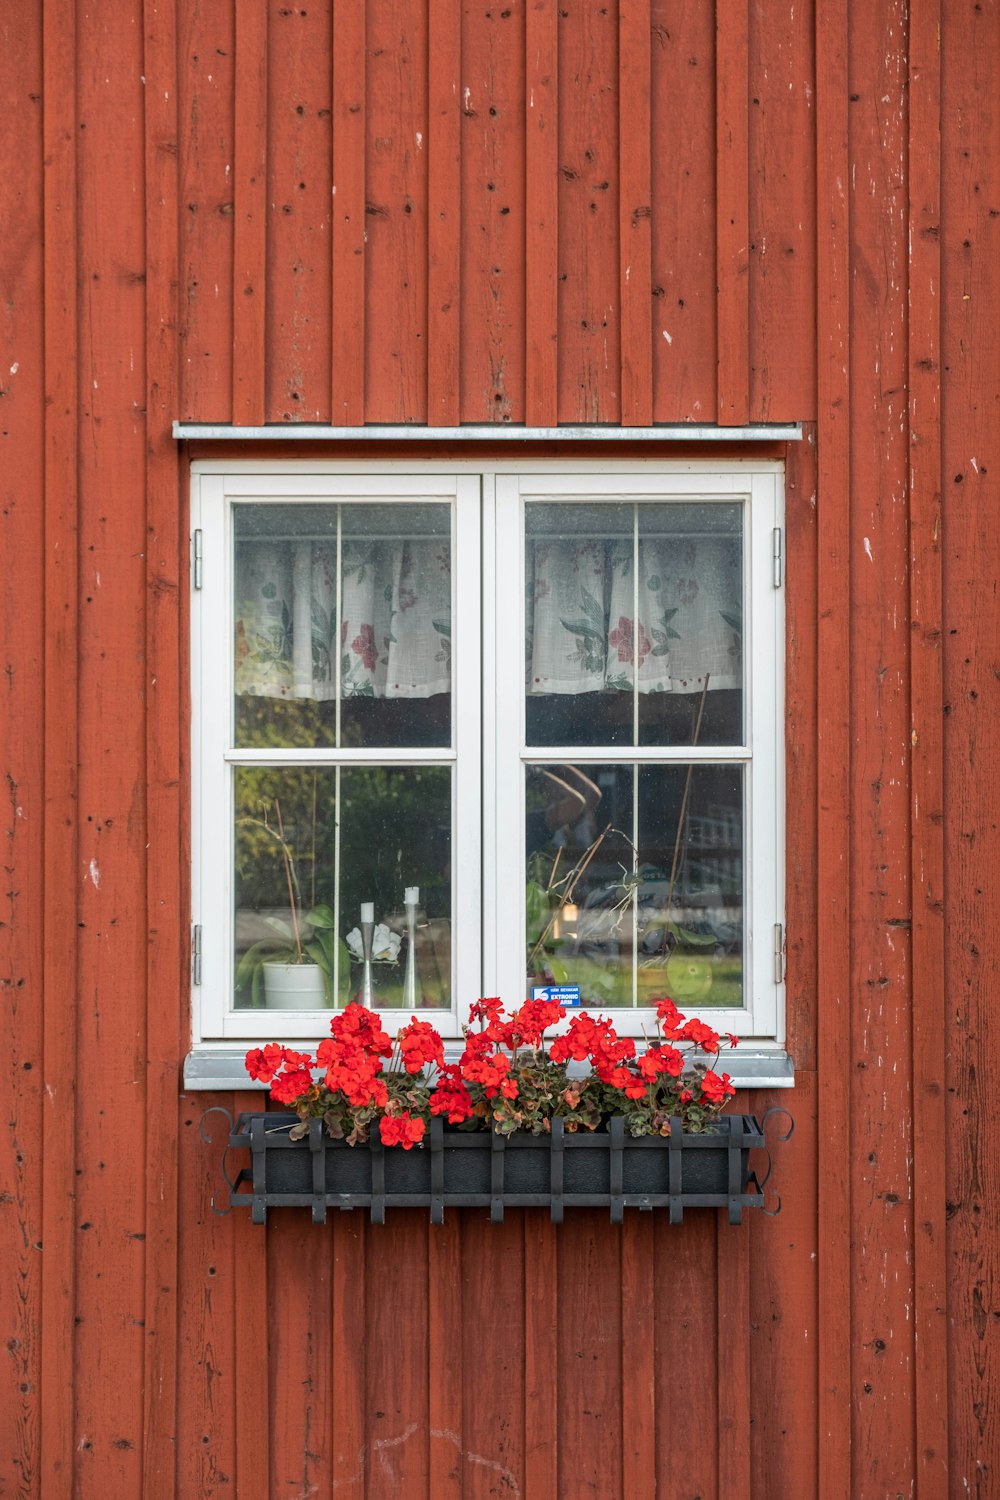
(411, 900)
(367, 930)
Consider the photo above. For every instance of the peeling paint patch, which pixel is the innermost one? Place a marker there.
(868, 550)
(95, 874)
(667, 336)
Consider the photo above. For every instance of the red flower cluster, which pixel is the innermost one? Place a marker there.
(352, 1056)
(286, 1071)
(451, 1098)
(401, 1130)
(419, 1043)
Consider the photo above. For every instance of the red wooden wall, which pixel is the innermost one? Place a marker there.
(534, 213)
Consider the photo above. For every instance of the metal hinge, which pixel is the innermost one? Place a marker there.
(776, 555)
(196, 953)
(779, 953)
(197, 567)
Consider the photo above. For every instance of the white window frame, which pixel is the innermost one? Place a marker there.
(488, 794)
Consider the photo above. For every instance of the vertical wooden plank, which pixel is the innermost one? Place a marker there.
(348, 239)
(59, 749)
(927, 756)
(299, 1341)
(396, 212)
(881, 911)
(166, 913)
(445, 1375)
(970, 363)
(541, 1353)
(541, 214)
(684, 335)
(782, 263)
(590, 1387)
(205, 155)
(298, 257)
(733, 1272)
(249, 211)
(784, 1298)
(833, 748)
(732, 187)
(444, 212)
(493, 274)
(397, 1392)
(589, 313)
(110, 1204)
(638, 1373)
(493, 1346)
(685, 1278)
(22, 730)
(348, 1355)
(635, 212)
(208, 1311)
(251, 1366)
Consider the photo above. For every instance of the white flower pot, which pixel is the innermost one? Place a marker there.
(294, 987)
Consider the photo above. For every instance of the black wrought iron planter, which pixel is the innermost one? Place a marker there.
(480, 1170)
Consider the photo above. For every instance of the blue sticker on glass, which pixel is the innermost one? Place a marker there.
(563, 994)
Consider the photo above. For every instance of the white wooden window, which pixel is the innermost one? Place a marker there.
(529, 720)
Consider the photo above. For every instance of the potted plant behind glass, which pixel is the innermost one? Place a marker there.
(294, 969)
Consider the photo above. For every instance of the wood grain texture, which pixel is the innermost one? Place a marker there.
(881, 902)
(396, 211)
(299, 175)
(834, 751)
(250, 218)
(732, 219)
(493, 1355)
(589, 329)
(349, 236)
(541, 213)
(635, 212)
(444, 213)
(60, 749)
(493, 272)
(167, 907)
(638, 1363)
(782, 192)
(251, 1370)
(445, 1372)
(682, 128)
(205, 144)
(970, 405)
(591, 1335)
(733, 1278)
(686, 1335)
(348, 1378)
(22, 737)
(541, 1341)
(927, 754)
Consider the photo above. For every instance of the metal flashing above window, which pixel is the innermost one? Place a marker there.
(317, 432)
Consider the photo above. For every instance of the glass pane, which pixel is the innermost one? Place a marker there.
(633, 623)
(314, 848)
(634, 883)
(352, 655)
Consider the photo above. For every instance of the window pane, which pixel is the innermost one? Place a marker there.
(634, 882)
(646, 588)
(312, 845)
(342, 630)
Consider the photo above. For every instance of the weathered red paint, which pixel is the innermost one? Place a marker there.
(237, 213)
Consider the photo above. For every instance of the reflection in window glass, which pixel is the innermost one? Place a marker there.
(634, 882)
(313, 846)
(342, 628)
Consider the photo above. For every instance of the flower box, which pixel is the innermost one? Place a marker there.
(480, 1169)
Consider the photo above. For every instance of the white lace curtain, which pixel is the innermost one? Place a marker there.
(585, 633)
(395, 630)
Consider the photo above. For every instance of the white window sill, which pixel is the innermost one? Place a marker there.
(222, 1068)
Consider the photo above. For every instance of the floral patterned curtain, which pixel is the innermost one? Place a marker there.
(586, 635)
(395, 630)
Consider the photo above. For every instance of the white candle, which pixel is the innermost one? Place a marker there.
(411, 896)
(368, 911)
